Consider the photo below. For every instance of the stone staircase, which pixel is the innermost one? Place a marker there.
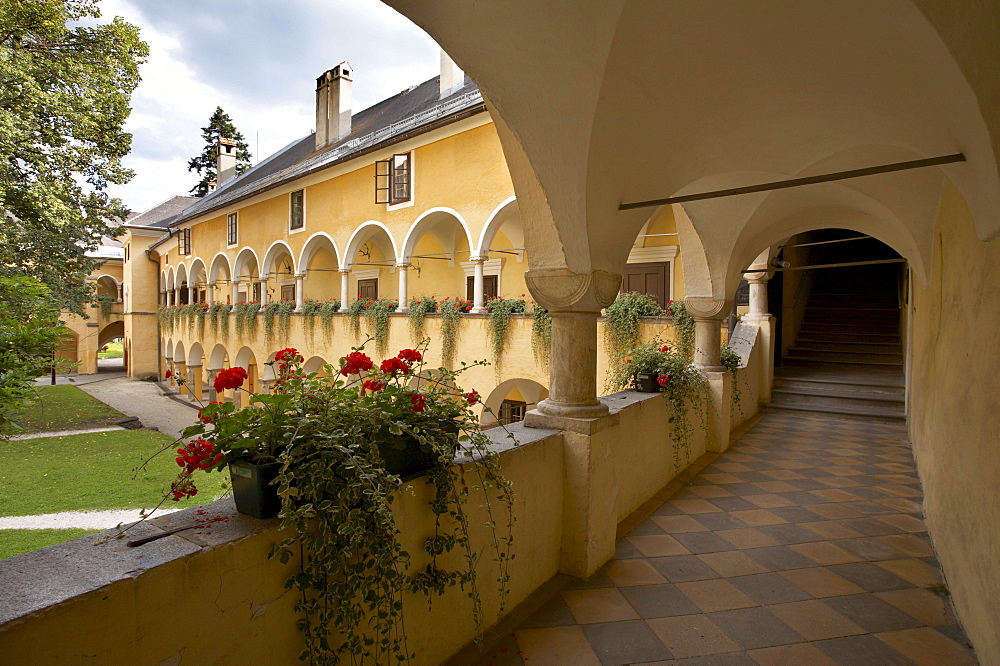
(847, 361)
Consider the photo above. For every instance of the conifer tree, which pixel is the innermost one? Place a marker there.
(219, 125)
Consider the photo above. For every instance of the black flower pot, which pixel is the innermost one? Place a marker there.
(253, 491)
(403, 456)
(646, 382)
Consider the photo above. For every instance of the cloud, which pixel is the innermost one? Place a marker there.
(259, 62)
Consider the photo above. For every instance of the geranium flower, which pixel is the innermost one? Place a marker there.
(410, 355)
(417, 402)
(373, 385)
(393, 365)
(665, 348)
(230, 378)
(662, 380)
(355, 363)
(472, 397)
(168, 374)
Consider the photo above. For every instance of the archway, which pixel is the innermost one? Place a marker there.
(438, 248)
(319, 265)
(371, 257)
(511, 400)
(246, 280)
(278, 273)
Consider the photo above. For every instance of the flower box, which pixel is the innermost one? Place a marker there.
(253, 490)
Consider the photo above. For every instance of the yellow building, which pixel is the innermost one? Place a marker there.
(410, 198)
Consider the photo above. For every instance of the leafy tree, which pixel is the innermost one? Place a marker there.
(65, 84)
(219, 125)
(29, 332)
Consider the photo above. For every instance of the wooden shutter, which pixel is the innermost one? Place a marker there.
(383, 181)
(400, 178)
(489, 288)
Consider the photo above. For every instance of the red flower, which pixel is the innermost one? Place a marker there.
(373, 385)
(168, 374)
(230, 378)
(392, 365)
(662, 380)
(472, 397)
(665, 348)
(417, 402)
(410, 355)
(207, 419)
(197, 454)
(355, 363)
(286, 356)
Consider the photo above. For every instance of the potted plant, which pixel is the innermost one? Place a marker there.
(337, 449)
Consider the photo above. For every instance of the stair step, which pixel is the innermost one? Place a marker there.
(866, 415)
(849, 337)
(834, 365)
(831, 399)
(838, 387)
(849, 328)
(820, 354)
(848, 345)
(874, 378)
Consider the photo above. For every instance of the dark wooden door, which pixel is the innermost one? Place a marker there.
(288, 292)
(652, 279)
(368, 289)
(489, 288)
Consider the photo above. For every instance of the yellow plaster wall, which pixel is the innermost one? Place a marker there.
(953, 416)
(141, 329)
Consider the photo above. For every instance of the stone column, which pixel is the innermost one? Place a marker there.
(194, 381)
(263, 292)
(404, 298)
(478, 306)
(766, 324)
(179, 371)
(236, 291)
(210, 382)
(264, 385)
(708, 314)
(345, 286)
(166, 297)
(210, 293)
(177, 295)
(299, 292)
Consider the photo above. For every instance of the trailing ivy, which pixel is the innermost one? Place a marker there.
(451, 313)
(729, 358)
(683, 328)
(621, 329)
(200, 310)
(309, 309)
(500, 310)
(280, 312)
(326, 312)
(354, 312)
(377, 319)
(419, 307)
(213, 317)
(541, 334)
(224, 310)
(246, 318)
(106, 304)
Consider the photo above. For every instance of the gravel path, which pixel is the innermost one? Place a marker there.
(63, 433)
(87, 520)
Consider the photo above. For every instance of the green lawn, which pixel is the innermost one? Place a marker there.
(112, 350)
(92, 472)
(67, 408)
(15, 542)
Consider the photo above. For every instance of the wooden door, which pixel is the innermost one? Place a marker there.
(288, 292)
(490, 283)
(652, 279)
(368, 289)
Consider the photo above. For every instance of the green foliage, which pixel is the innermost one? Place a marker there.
(354, 312)
(732, 361)
(500, 310)
(29, 332)
(451, 313)
(64, 98)
(213, 317)
(621, 329)
(541, 334)
(219, 125)
(683, 328)
(377, 318)
(106, 304)
(224, 310)
(200, 310)
(246, 318)
(282, 311)
(326, 313)
(419, 307)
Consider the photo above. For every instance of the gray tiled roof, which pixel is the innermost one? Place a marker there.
(410, 109)
(162, 214)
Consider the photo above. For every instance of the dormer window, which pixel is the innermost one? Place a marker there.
(297, 217)
(393, 180)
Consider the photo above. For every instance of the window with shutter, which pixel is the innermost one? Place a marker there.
(393, 180)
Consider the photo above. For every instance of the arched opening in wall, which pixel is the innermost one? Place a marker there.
(183, 294)
(371, 257)
(319, 264)
(220, 278)
(653, 265)
(278, 273)
(246, 359)
(246, 280)
(111, 348)
(198, 280)
(510, 401)
(502, 248)
(316, 364)
(108, 288)
(438, 249)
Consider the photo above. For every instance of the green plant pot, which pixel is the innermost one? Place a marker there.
(646, 382)
(253, 491)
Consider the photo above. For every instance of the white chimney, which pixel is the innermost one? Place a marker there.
(225, 161)
(333, 105)
(452, 77)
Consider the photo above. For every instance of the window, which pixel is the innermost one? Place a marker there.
(288, 292)
(231, 230)
(392, 180)
(297, 218)
(184, 242)
(512, 411)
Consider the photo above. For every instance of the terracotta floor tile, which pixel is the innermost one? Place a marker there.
(557, 645)
(835, 495)
(658, 545)
(690, 506)
(792, 655)
(747, 538)
(755, 628)
(871, 613)
(862, 650)
(919, 573)
(710, 491)
(825, 553)
(838, 481)
(676, 524)
(870, 576)
(775, 487)
(783, 474)
(842, 471)
(715, 595)
(732, 467)
(659, 601)
(834, 511)
(683, 568)
(790, 464)
(692, 636)
(721, 478)
(769, 588)
(843, 461)
(757, 517)
(820, 582)
(555, 613)
(902, 491)
(830, 529)
(625, 642)
(624, 573)
(902, 505)
(909, 544)
(732, 563)
(770, 501)
(926, 645)
(815, 620)
(599, 605)
(704, 542)
(922, 604)
(904, 522)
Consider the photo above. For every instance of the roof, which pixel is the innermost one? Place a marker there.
(411, 109)
(161, 215)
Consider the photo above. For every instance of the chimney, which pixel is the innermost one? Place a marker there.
(333, 105)
(225, 162)
(452, 77)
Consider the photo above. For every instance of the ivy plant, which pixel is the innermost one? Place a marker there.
(500, 310)
(683, 328)
(451, 312)
(377, 319)
(224, 310)
(419, 308)
(280, 311)
(246, 318)
(541, 333)
(621, 329)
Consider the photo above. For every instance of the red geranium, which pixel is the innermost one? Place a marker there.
(417, 402)
(373, 385)
(662, 380)
(393, 365)
(355, 363)
(410, 355)
(286, 356)
(230, 378)
(206, 419)
(197, 454)
(472, 397)
(168, 374)
(665, 348)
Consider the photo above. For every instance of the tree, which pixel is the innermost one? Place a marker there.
(219, 125)
(65, 84)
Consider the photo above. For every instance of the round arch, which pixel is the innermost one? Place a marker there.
(220, 264)
(218, 358)
(179, 356)
(115, 329)
(318, 241)
(437, 222)
(169, 279)
(315, 364)
(527, 391)
(196, 354)
(276, 251)
(370, 231)
(507, 211)
(247, 265)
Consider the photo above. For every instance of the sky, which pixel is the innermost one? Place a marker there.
(259, 61)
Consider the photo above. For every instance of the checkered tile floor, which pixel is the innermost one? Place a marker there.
(803, 544)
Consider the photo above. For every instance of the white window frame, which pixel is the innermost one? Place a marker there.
(233, 217)
(291, 208)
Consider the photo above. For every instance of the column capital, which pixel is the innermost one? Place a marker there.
(560, 289)
(704, 307)
(403, 264)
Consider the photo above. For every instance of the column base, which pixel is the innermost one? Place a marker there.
(711, 368)
(478, 311)
(573, 410)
